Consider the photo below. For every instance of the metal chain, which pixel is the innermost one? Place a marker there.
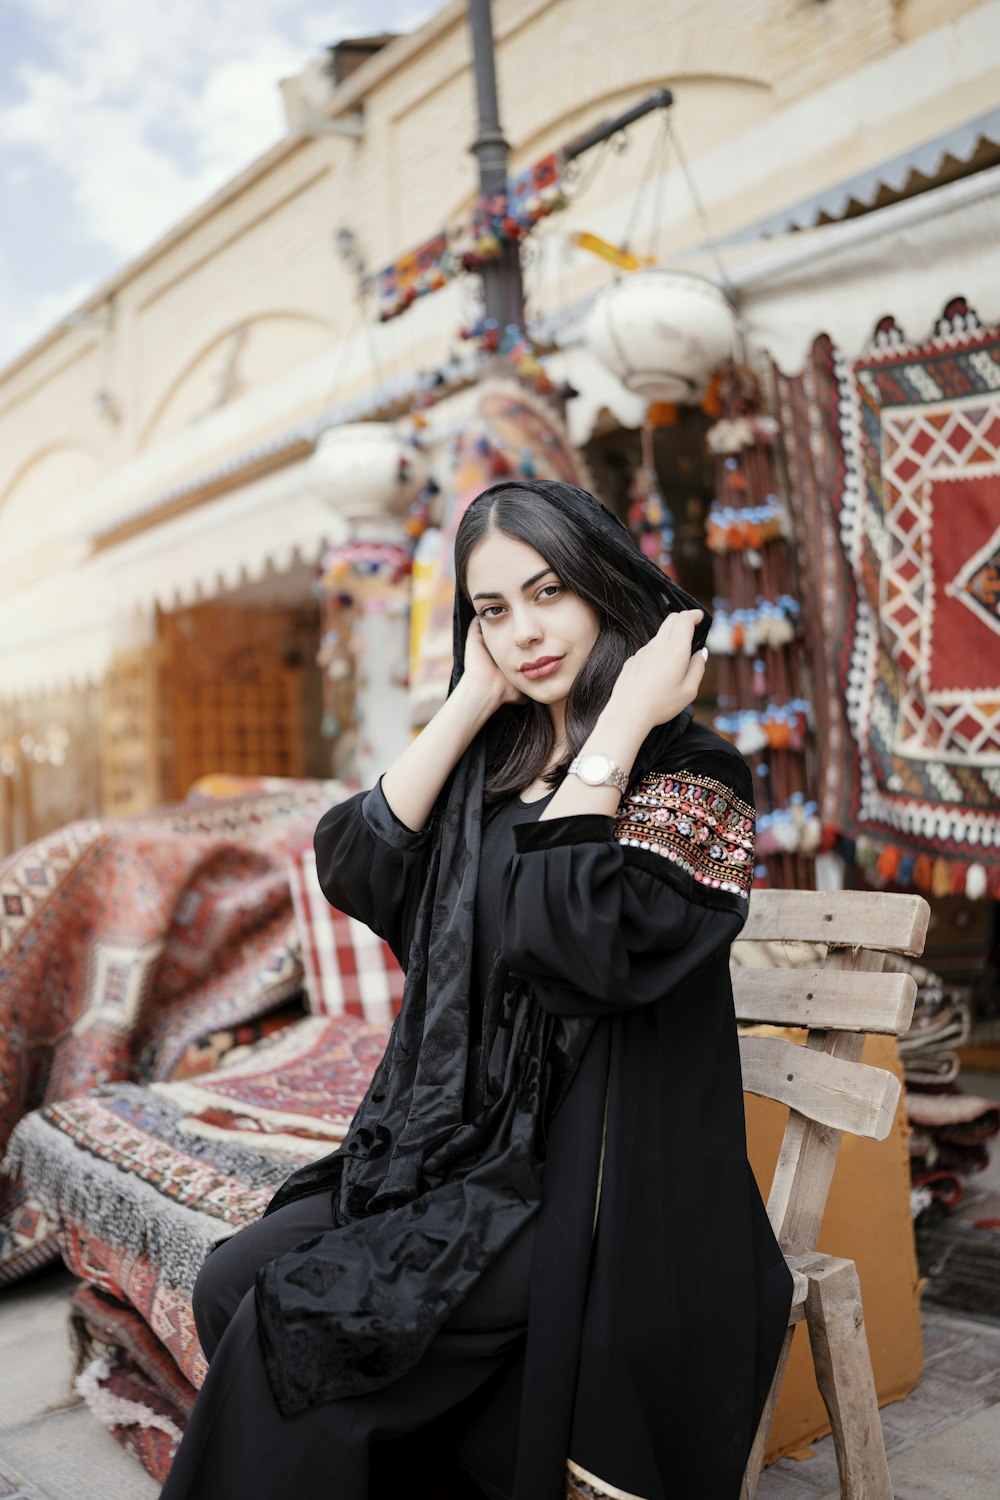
(656, 155)
(702, 212)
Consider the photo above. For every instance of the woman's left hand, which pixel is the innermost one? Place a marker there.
(663, 676)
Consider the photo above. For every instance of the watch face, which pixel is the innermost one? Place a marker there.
(594, 768)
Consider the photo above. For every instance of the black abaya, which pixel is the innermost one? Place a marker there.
(601, 1062)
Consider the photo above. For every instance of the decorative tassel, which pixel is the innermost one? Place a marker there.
(975, 882)
(923, 872)
(941, 878)
(865, 854)
(887, 863)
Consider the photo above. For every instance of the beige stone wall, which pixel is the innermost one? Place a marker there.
(827, 40)
(916, 17)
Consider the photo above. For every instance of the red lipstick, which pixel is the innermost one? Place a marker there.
(543, 667)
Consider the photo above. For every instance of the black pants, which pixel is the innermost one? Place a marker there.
(238, 1446)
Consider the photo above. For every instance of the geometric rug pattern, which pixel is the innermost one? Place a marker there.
(126, 942)
(894, 466)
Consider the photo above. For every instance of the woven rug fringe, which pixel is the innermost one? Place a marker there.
(115, 1411)
(139, 1222)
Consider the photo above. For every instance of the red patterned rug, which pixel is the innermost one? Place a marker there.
(143, 1182)
(129, 1381)
(124, 943)
(894, 463)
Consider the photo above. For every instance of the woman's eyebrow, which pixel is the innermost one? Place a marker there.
(528, 583)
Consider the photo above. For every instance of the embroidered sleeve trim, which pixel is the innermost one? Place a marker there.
(696, 822)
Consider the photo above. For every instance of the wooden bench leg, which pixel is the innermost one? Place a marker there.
(844, 1375)
(759, 1448)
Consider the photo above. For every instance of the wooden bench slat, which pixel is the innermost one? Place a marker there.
(886, 921)
(842, 1095)
(835, 1000)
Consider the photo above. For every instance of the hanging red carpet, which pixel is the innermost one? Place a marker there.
(894, 463)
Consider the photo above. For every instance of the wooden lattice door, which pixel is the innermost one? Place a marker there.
(130, 763)
(232, 694)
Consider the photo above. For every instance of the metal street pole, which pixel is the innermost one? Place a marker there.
(502, 285)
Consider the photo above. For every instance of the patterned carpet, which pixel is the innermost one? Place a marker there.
(125, 943)
(894, 463)
(143, 1182)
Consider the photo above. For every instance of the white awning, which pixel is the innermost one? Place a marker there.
(269, 524)
(925, 160)
(906, 261)
(62, 631)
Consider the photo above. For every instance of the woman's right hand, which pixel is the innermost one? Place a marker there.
(663, 676)
(481, 673)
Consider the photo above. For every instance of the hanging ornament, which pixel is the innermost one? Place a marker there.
(663, 333)
(366, 468)
(663, 414)
(625, 260)
(756, 626)
(368, 572)
(648, 514)
(419, 518)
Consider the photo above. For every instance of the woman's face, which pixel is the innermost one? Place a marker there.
(538, 633)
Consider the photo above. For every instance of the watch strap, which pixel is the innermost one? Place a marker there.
(615, 777)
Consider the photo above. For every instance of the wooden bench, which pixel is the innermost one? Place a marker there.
(827, 1090)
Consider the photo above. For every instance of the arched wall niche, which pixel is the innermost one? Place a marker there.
(41, 493)
(242, 358)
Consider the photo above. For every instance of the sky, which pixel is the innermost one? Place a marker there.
(118, 117)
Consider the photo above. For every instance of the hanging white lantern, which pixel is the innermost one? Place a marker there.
(367, 469)
(663, 333)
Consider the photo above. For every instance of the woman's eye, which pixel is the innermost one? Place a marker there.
(547, 591)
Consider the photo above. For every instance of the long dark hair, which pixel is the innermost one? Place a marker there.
(628, 613)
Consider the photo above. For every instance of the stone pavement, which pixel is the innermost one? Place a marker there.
(51, 1448)
(943, 1440)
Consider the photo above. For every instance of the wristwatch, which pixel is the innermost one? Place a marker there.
(599, 770)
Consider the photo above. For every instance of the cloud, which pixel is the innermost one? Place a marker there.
(146, 109)
(140, 109)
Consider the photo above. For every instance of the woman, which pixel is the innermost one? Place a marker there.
(540, 1242)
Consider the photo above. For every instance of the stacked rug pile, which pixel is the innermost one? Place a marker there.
(175, 949)
(143, 1182)
(950, 1130)
(141, 948)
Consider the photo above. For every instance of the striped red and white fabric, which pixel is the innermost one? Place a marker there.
(347, 968)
